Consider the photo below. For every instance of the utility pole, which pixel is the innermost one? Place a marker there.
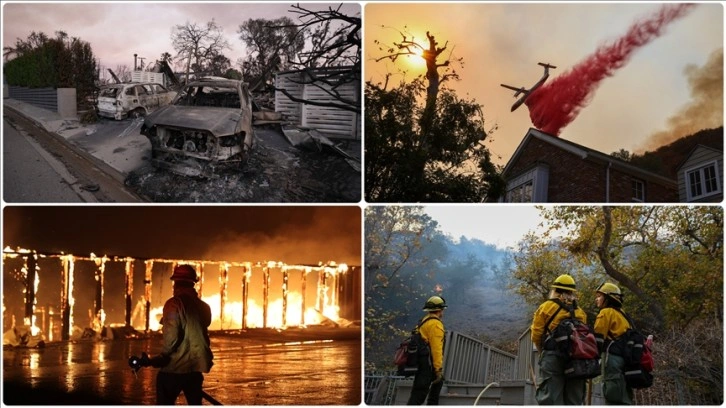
(135, 61)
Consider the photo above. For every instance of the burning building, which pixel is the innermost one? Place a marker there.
(64, 296)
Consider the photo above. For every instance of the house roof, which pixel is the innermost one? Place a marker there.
(585, 153)
(693, 150)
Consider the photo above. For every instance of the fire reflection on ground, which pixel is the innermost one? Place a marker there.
(321, 366)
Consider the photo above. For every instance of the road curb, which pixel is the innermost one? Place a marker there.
(100, 166)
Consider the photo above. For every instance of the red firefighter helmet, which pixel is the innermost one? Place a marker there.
(184, 273)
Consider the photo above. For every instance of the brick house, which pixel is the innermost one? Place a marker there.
(545, 168)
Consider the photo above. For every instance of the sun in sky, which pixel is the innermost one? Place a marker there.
(404, 45)
(415, 62)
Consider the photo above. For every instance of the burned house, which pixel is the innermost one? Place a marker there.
(58, 295)
(327, 89)
(545, 168)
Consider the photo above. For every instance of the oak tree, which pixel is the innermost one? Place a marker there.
(400, 254)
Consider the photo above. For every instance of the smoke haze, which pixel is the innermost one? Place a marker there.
(240, 233)
(705, 111)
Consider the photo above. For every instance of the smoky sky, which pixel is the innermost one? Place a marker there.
(117, 30)
(291, 234)
(502, 43)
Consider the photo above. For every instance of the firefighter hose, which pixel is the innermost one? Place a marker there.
(136, 364)
(210, 399)
(476, 401)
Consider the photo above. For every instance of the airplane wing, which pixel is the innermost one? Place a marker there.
(518, 90)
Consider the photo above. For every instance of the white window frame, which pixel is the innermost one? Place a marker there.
(634, 184)
(700, 170)
(534, 182)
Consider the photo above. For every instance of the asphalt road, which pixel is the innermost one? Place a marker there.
(248, 370)
(41, 167)
(32, 175)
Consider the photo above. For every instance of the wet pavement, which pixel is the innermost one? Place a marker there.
(313, 366)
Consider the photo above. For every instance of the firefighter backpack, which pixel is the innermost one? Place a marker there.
(411, 351)
(634, 348)
(575, 340)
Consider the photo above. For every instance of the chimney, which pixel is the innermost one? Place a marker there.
(135, 61)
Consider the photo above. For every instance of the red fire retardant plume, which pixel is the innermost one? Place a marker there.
(555, 104)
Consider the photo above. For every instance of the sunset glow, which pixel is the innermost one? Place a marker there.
(416, 62)
(502, 43)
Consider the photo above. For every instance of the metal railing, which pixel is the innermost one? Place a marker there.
(466, 361)
(527, 367)
(471, 361)
(380, 387)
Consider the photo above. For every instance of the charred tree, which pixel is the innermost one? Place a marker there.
(331, 61)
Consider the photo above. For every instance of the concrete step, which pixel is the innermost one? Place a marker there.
(453, 399)
(509, 392)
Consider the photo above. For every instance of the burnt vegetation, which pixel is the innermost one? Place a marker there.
(332, 61)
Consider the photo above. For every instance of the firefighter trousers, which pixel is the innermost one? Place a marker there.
(170, 385)
(552, 386)
(423, 387)
(614, 389)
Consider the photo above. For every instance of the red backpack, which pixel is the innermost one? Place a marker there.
(411, 350)
(575, 340)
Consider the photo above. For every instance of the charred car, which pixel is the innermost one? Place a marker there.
(119, 101)
(207, 127)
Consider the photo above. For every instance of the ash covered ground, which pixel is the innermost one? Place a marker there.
(276, 172)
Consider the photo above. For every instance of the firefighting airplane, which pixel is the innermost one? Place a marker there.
(525, 91)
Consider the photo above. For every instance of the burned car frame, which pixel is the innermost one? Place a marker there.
(119, 101)
(207, 127)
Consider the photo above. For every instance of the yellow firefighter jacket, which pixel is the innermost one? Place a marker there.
(543, 314)
(609, 325)
(432, 332)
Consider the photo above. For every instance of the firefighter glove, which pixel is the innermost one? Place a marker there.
(144, 361)
(159, 361)
(156, 361)
(439, 377)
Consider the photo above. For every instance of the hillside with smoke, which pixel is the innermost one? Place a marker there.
(705, 110)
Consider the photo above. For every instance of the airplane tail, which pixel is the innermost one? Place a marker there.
(546, 65)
